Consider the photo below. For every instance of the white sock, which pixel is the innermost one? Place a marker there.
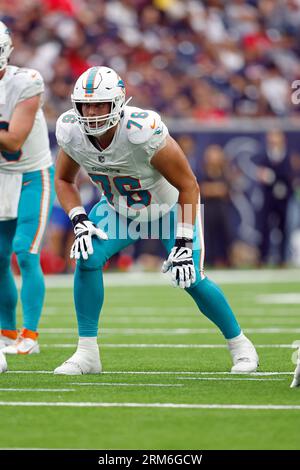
(237, 339)
(87, 344)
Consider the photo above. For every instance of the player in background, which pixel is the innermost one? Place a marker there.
(143, 174)
(3, 363)
(296, 379)
(26, 195)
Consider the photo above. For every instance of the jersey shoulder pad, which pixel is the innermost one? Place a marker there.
(142, 124)
(29, 83)
(65, 127)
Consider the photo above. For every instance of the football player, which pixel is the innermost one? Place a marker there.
(145, 180)
(26, 197)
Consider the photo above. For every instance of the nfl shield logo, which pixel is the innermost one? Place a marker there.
(101, 158)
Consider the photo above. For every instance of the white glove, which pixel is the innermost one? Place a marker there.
(84, 230)
(181, 263)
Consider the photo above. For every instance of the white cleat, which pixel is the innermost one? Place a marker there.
(5, 341)
(3, 363)
(23, 346)
(81, 363)
(296, 379)
(244, 356)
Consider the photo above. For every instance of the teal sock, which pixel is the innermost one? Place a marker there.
(88, 297)
(212, 302)
(8, 295)
(33, 289)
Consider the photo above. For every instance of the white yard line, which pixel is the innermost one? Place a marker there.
(195, 373)
(29, 372)
(37, 390)
(128, 314)
(166, 346)
(228, 378)
(156, 372)
(110, 321)
(117, 384)
(167, 331)
(283, 299)
(157, 279)
(193, 406)
(268, 322)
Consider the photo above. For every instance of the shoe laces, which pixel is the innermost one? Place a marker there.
(19, 339)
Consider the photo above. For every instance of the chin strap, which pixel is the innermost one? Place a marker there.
(126, 102)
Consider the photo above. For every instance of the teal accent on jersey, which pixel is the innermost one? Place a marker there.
(130, 123)
(130, 188)
(103, 181)
(8, 290)
(88, 284)
(89, 88)
(69, 119)
(127, 186)
(9, 156)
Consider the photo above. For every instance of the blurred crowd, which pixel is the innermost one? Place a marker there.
(252, 204)
(204, 59)
(250, 195)
(201, 59)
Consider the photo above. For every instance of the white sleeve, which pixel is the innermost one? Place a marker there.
(63, 134)
(151, 136)
(68, 135)
(157, 141)
(31, 84)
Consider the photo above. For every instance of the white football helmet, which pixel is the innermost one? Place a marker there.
(95, 85)
(5, 45)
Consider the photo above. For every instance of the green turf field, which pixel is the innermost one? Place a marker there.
(166, 383)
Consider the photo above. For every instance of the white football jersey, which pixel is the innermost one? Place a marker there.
(17, 85)
(123, 171)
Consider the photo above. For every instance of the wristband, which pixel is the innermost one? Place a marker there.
(76, 211)
(184, 230)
